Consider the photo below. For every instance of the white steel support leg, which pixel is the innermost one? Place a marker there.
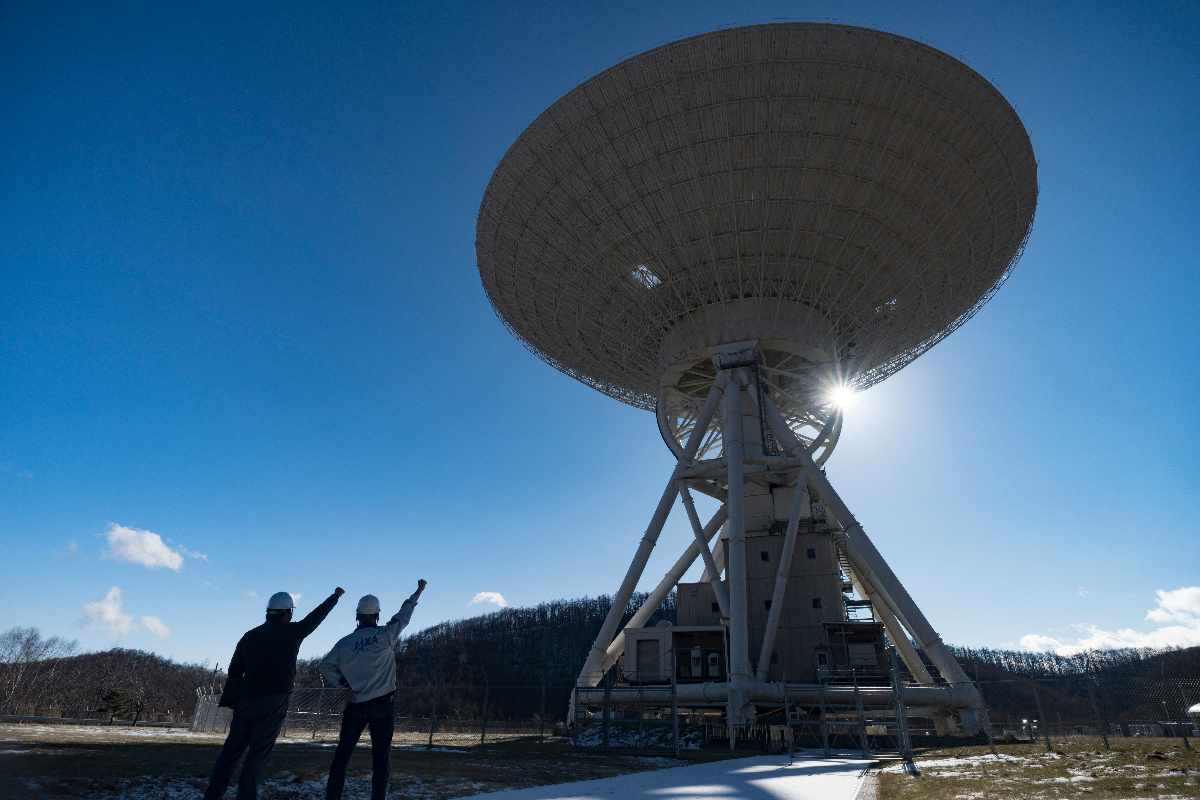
(591, 673)
(873, 570)
(710, 568)
(656, 597)
(718, 554)
(895, 631)
(781, 579)
(735, 547)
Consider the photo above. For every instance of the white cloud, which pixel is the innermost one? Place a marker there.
(295, 596)
(107, 613)
(254, 593)
(155, 626)
(489, 597)
(190, 553)
(1039, 644)
(1179, 606)
(70, 553)
(135, 546)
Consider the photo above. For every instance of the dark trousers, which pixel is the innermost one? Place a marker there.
(256, 723)
(379, 716)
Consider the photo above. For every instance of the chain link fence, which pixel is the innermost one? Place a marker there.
(648, 719)
(1030, 709)
(449, 716)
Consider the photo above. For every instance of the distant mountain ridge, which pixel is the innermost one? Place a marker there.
(549, 642)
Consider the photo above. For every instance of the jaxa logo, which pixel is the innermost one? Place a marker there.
(362, 644)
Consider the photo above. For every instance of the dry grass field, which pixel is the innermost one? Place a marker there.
(1134, 768)
(101, 763)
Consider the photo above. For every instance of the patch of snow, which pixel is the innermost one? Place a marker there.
(969, 761)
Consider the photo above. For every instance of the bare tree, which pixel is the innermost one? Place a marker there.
(22, 652)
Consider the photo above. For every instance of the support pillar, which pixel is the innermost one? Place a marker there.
(781, 579)
(740, 712)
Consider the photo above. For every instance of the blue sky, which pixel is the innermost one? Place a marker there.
(239, 309)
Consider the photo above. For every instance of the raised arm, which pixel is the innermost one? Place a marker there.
(318, 614)
(400, 621)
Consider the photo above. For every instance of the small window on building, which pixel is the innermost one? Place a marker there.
(768, 605)
(764, 555)
(716, 608)
(816, 602)
(822, 659)
(774, 658)
(812, 553)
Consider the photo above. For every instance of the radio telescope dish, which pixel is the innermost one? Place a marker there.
(732, 230)
(858, 184)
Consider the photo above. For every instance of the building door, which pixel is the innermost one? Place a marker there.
(648, 668)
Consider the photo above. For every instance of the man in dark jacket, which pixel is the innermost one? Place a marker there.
(259, 687)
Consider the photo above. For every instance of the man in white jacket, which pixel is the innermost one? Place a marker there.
(365, 663)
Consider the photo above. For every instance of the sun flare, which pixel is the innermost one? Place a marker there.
(843, 396)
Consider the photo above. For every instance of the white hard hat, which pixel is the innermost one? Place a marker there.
(280, 601)
(369, 604)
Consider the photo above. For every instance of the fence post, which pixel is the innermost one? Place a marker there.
(674, 702)
(862, 720)
(604, 728)
(1183, 725)
(1037, 698)
(433, 714)
(483, 722)
(987, 719)
(641, 720)
(824, 724)
(902, 713)
(317, 717)
(1096, 711)
(542, 717)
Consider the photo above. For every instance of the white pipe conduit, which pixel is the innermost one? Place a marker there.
(721, 472)
(941, 697)
(591, 673)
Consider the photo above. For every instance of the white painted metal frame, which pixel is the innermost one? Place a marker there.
(870, 574)
(593, 670)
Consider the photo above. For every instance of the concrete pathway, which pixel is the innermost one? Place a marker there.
(756, 778)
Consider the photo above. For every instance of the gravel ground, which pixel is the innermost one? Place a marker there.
(104, 763)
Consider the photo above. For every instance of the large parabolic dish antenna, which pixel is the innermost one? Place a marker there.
(725, 230)
(854, 193)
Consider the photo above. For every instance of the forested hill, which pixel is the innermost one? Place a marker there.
(510, 647)
(549, 642)
(1104, 664)
(515, 646)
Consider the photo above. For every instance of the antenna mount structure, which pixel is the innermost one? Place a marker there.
(729, 230)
